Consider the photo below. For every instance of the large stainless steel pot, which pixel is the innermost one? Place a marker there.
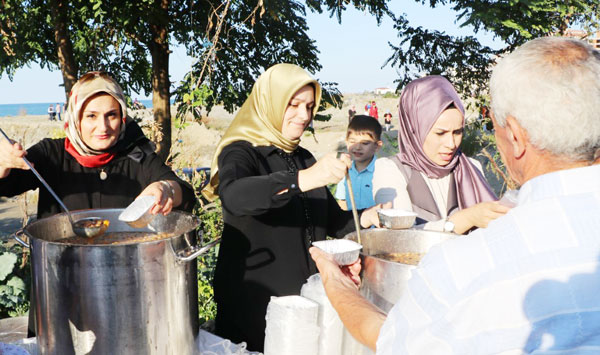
(383, 281)
(115, 299)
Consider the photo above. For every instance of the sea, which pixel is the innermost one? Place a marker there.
(39, 108)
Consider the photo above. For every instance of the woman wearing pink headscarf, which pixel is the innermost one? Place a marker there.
(430, 175)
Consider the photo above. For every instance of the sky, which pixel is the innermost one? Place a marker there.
(351, 53)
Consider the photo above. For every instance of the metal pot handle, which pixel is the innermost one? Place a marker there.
(193, 251)
(17, 236)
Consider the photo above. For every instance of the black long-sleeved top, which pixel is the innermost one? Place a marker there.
(264, 250)
(82, 188)
(134, 167)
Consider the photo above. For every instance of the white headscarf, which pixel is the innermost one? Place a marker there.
(87, 86)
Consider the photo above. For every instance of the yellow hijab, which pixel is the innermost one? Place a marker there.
(260, 118)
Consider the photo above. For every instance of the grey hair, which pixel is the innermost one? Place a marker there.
(551, 86)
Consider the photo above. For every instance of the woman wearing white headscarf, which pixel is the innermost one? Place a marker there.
(104, 162)
(275, 202)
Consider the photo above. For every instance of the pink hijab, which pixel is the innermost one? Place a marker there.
(421, 104)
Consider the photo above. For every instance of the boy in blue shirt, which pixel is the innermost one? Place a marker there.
(363, 140)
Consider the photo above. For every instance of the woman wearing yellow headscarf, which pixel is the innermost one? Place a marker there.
(275, 202)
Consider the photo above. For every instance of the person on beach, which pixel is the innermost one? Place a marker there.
(529, 282)
(275, 202)
(363, 140)
(351, 113)
(51, 113)
(373, 112)
(430, 175)
(105, 161)
(387, 120)
(58, 111)
(137, 105)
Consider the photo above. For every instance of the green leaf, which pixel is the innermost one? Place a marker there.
(17, 284)
(511, 24)
(7, 263)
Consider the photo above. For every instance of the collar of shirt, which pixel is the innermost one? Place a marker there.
(266, 149)
(370, 168)
(560, 183)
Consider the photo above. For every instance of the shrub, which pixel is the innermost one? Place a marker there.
(15, 277)
(212, 227)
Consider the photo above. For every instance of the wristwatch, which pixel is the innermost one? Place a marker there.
(448, 226)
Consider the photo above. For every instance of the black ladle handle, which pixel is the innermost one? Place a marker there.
(43, 181)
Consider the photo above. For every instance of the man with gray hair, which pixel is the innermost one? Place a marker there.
(530, 281)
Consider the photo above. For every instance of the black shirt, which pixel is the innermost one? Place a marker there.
(269, 226)
(82, 188)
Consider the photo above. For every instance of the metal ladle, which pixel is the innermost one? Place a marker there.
(88, 227)
(354, 212)
(352, 203)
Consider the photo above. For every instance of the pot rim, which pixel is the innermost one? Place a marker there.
(195, 219)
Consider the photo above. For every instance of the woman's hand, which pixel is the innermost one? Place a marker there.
(167, 194)
(479, 215)
(11, 157)
(327, 170)
(369, 217)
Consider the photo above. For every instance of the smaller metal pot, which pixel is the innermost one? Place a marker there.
(384, 281)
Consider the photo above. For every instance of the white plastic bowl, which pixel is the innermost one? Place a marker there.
(344, 251)
(137, 214)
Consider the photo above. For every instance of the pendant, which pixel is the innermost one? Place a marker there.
(103, 175)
